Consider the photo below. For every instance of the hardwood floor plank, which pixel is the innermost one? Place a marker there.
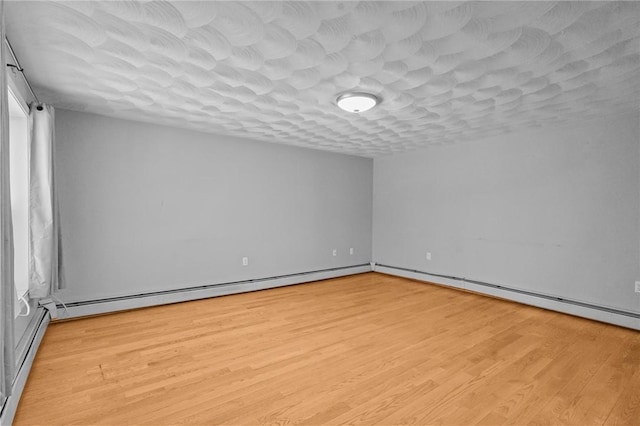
(364, 349)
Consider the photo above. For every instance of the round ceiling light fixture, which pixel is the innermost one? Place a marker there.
(357, 101)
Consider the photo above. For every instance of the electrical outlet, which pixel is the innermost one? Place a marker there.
(335, 252)
(351, 250)
(637, 286)
(245, 261)
(428, 255)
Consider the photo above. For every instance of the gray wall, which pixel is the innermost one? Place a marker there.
(551, 211)
(147, 208)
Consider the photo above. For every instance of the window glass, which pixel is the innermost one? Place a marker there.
(19, 169)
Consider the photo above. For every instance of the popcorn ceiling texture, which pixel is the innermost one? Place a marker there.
(447, 71)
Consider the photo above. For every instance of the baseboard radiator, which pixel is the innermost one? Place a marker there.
(35, 332)
(573, 307)
(134, 301)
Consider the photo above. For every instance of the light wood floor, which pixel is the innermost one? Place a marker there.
(367, 349)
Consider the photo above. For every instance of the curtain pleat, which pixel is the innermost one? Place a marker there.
(7, 290)
(45, 268)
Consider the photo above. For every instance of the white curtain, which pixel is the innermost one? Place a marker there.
(44, 223)
(7, 291)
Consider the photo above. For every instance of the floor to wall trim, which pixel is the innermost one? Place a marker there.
(567, 306)
(101, 306)
(37, 332)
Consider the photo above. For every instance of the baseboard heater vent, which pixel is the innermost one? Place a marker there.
(153, 298)
(35, 332)
(518, 291)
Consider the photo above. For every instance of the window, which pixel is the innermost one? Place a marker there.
(19, 168)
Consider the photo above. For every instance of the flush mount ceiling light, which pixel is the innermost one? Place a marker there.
(357, 101)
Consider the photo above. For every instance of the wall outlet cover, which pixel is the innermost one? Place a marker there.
(637, 286)
(245, 261)
(335, 252)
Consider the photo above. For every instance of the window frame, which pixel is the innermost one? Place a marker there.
(23, 307)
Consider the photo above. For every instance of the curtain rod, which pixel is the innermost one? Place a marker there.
(18, 67)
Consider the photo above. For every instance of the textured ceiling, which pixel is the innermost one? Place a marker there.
(446, 71)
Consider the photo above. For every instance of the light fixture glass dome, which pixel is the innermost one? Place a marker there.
(357, 102)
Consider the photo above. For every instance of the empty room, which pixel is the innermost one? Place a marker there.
(320, 212)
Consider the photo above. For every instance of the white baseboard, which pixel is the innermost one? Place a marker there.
(603, 314)
(11, 405)
(80, 309)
